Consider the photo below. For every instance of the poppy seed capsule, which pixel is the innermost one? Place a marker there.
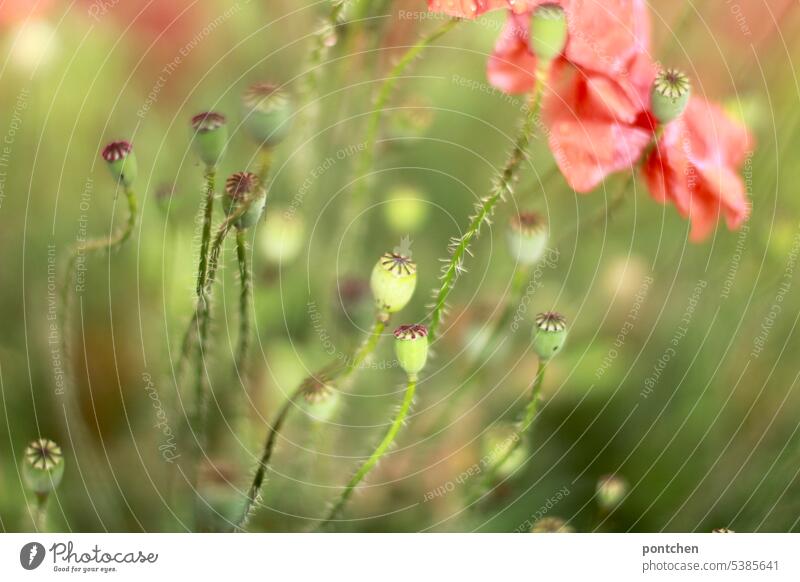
(210, 136)
(669, 95)
(527, 237)
(240, 188)
(267, 112)
(43, 466)
(549, 334)
(548, 32)
(281, 236)
(411, 348)
(320, 399)
(121, 162)
(611, 489)
(393, 281)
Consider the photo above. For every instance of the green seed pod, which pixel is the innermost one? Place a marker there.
(549, 334)
(497, 442)
(411, 348)
(393, 281)
(405, 210)
(43, 466)
(611, 490)
(548, 32)
(527, 237)
(268, 113)
(240, 188)
(121, 162)
(210, 136)
(551, 525)
(320, 400)
(282, 236)
(669, 95)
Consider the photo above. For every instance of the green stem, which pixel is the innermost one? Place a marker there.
(475, 363)
(354, 363)
(485, 208)
(245, 282)
(40, 512)
(376, 455)
(208, 211)
(522, 430)
(321, 45)
(358, 199)
(254, 493)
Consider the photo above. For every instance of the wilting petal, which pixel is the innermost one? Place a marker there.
(512, 66)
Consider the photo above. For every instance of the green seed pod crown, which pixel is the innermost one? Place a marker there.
(393, 281)
(548, 31)
(121, 162)
(611, 489)
(245, 188)
(43, 466)
(210, 136)
(670, 95)
(267, 112)
(549, 334)
(320, 399)
(527, 237)
(411, 348)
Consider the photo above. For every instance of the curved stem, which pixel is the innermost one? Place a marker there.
(524, 427)
(254, 493)
(354, 364)
(476, 362)
(485, 208)
(321, 45)
(245, 283)
(376, 455)
(358, 198)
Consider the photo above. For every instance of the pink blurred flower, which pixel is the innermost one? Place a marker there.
(16, 11)
(695, 166)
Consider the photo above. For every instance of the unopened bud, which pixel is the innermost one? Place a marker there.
(393, 281)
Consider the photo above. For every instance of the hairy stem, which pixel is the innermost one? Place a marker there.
(354, 363)
(376, 455)
(246, 285)
(358, 198)
(522, 430)
(485, 209)
(322, 45)
(208, 211)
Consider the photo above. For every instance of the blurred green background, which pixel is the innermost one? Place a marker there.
(706, 434)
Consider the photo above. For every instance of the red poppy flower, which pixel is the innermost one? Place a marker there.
(695, 167)
(596, 110)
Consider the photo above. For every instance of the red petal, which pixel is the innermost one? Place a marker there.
(512, 66)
